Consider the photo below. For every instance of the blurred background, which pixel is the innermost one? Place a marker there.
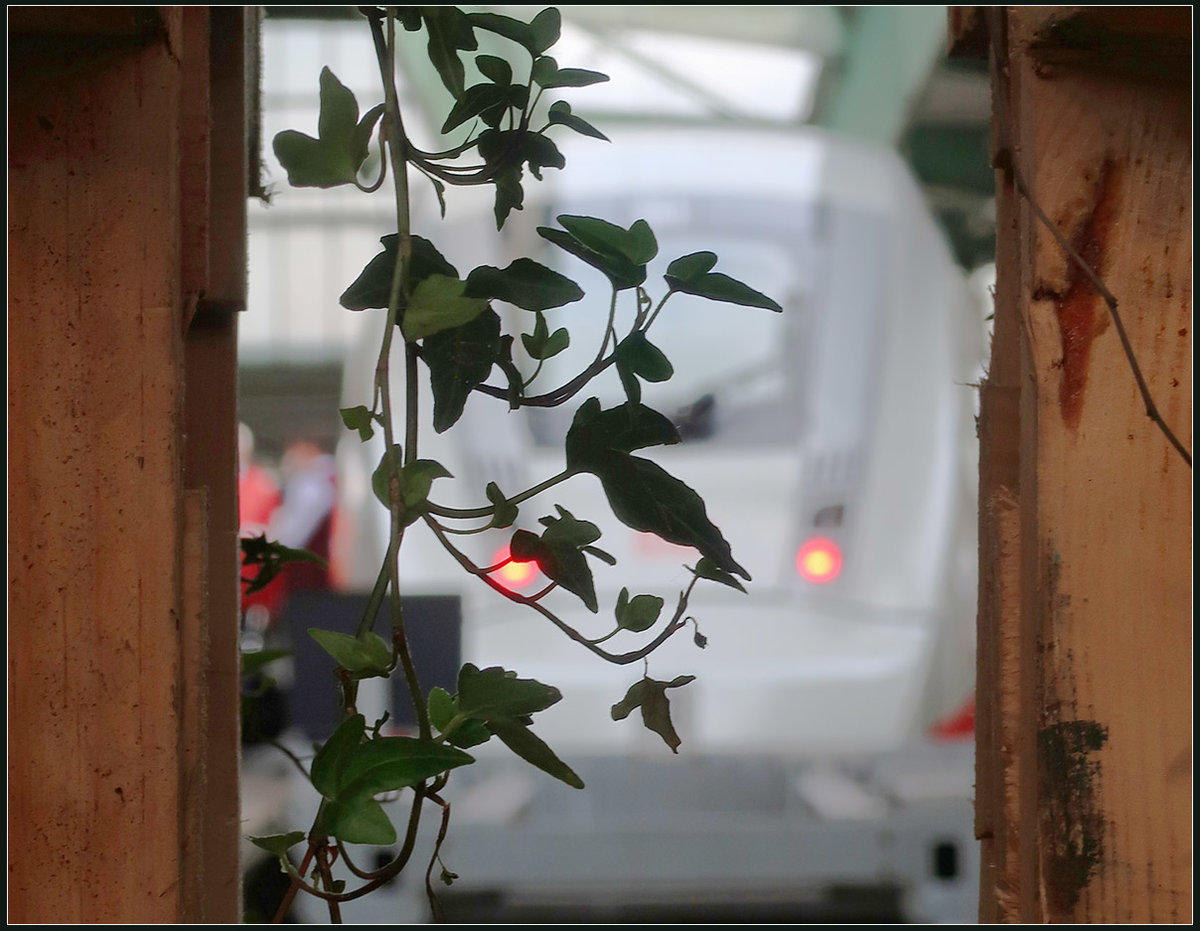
(833, 158)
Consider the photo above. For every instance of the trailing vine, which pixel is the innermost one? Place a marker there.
(452, 335)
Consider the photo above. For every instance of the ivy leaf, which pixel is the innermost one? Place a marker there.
(542, 344)
(645, 497)
(559, 553)
(693, 266)
(718, 287)
(541, 152)
(496, 70)
(373, 287)
(505, 26)
(636, 243)
(381, 477)
(510, 195)
(619, 253)
(496, 692)
(279, 844)
(358, 821)
(651, 696)
(437, 304)
(363, 656)
(335, 156)
(386, 764)
(503, 702)
(505, 514)
(707, 569)
(545, 29)
(487, 101)
(350, 773)
(561, 115)
(524, 283)
(535, 36)
(641, 493)
(327, 765)
(410, 17)
(459, 359)
(636, 356)
(415, 480)
(359, 418)
(269, 558)
(595, 432)
(532, 749)
(443, 709)
(639, 613)
(600, 554)
(450, 30)
(546, 74)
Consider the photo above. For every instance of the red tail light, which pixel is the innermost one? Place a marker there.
(511, 574)
(959, 725)
(819, 560)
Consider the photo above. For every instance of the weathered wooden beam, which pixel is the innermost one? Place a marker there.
(1085, 806)
(123, 554)
(95, 362)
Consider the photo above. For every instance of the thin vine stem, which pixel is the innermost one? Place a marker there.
(385, 55)
(488, 511)
(620, 659)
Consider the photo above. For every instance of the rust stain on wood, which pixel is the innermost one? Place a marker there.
(1081, 314)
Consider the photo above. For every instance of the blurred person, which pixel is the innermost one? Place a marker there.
(304, 519)
(259, 496)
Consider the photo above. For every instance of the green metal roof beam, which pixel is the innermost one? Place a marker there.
(888, 56)
(953, 156)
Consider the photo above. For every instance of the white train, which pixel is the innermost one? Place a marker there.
(834, 445)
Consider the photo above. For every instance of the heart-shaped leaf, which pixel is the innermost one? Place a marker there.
(359, 820)
(279, 844)
(335, 156)
(369, 654)
(638, 613)
(547, 74)
(459, 359)
(415, 480)
(361, 419)
(438, 303)
(524, 283)
(327, 765)
(718, 287)
(560, 114)
(443, 711)
(373, 287)
(496, 692)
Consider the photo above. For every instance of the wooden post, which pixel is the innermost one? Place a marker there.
(1084, 744)
(122, 689)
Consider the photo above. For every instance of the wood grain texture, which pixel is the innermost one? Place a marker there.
(94, 484)
(1105, 502)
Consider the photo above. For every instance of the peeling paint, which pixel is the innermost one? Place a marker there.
(1081, 315)
(1073, 824)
